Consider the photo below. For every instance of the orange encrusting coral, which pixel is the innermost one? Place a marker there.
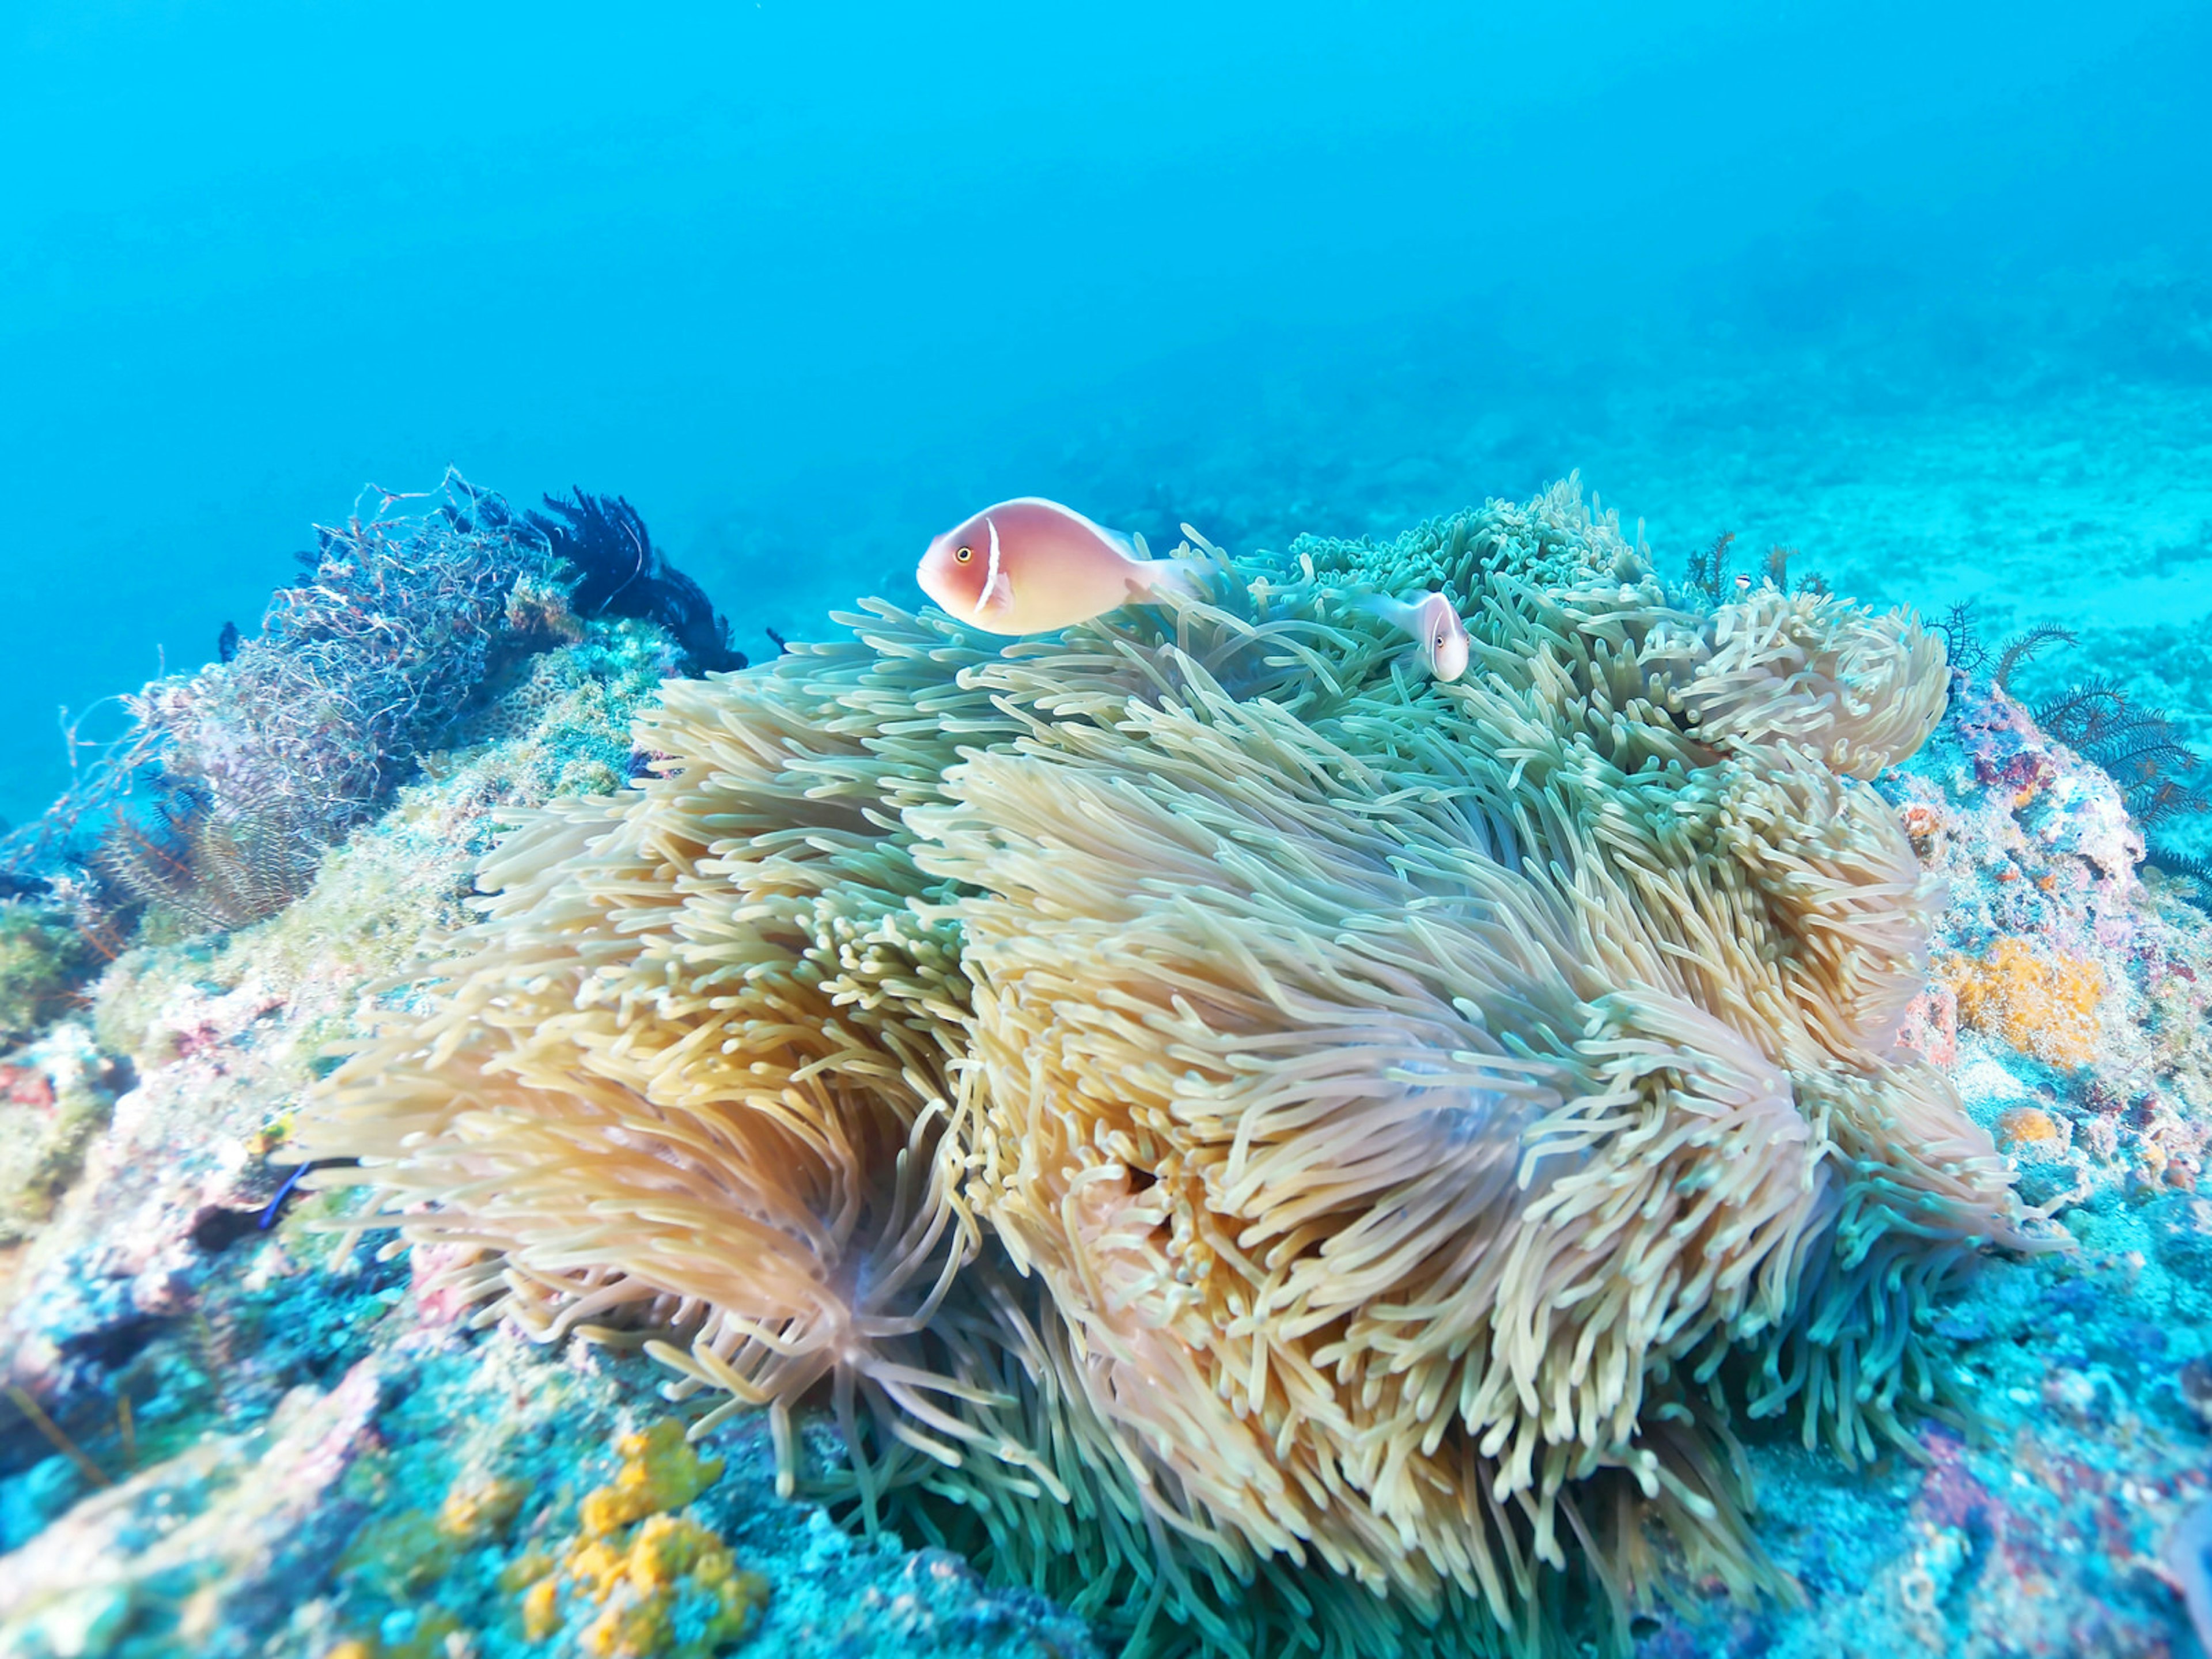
(2042, 1007)
(2024, 1126)
(663, 1583)
(659, 1473)
(432, 1624)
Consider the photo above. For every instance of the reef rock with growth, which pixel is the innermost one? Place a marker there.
(1260, 1145)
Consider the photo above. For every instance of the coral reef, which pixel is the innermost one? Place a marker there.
(218, 1039)
(218, 803)
(194, 1553)
(2060, 1524)
(44, 962)
(636, 1579)
(2141, 748)
(614, 570)
(1204, 1105)
(227, 1429)
(2067, 987)
(2042, 1007)
(219, 1435)
(642, 1580)
(55, 1095)
(420, 1500)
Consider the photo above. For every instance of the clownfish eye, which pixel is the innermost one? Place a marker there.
(963, 554)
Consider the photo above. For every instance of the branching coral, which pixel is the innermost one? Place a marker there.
(221, 796)
(1266, 1147)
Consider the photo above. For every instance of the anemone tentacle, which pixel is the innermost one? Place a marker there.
(1251, 1140)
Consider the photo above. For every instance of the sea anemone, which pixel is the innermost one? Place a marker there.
(1270, 1149)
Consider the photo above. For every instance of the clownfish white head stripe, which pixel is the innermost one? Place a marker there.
(994, 579)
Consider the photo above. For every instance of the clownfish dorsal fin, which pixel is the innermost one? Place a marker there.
(1126, 543)
(1396, 612)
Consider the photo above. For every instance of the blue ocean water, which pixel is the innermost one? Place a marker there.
(1923, 289)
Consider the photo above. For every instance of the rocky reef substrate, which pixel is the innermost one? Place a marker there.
(234, 1426)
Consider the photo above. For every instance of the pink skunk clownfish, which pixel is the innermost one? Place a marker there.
(1030, 566)
(1439, 637)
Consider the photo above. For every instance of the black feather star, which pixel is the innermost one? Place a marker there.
(619, 573)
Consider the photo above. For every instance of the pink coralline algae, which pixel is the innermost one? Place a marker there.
(2068, 1000)
(2067, 978)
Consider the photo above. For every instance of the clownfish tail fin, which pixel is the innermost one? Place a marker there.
(1182, 579)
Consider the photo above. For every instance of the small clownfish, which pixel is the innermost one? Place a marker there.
(1030, 566)
(1438, 634)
